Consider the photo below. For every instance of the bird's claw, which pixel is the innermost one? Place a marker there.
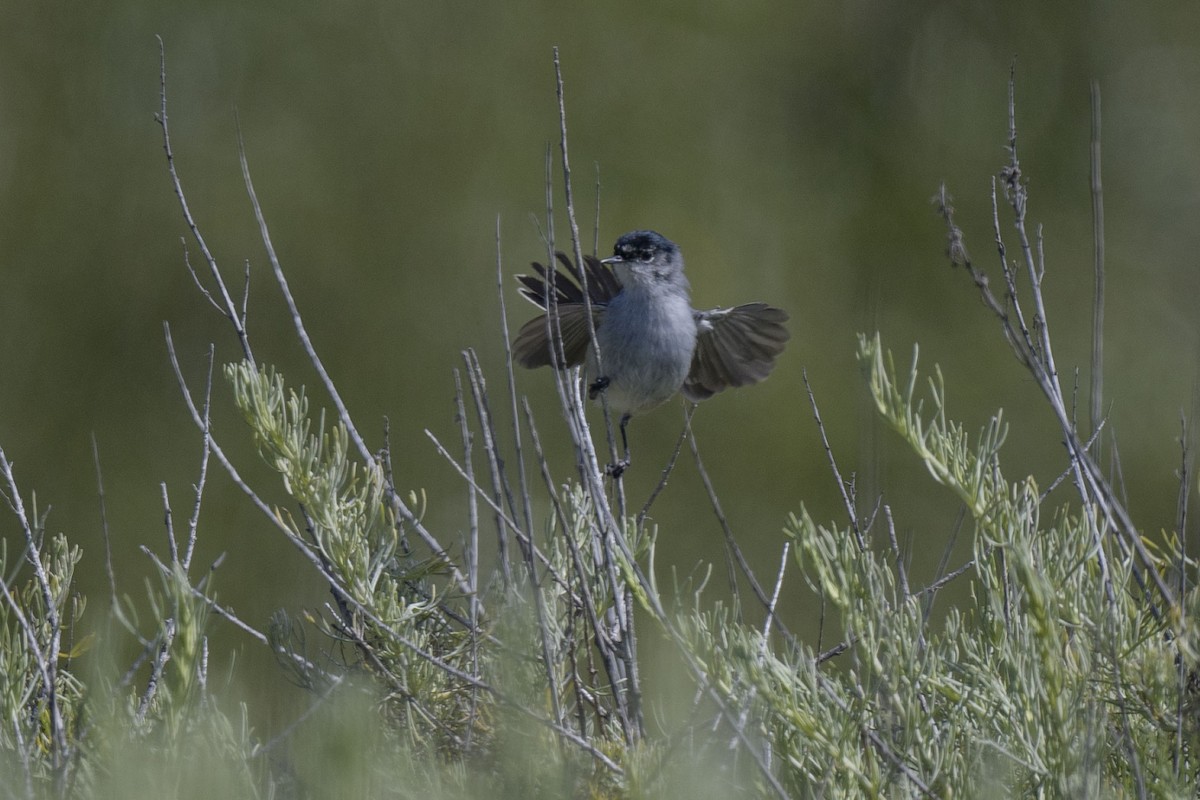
(597, 386)
(618, 469)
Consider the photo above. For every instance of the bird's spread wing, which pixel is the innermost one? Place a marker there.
(734, 347)
(602, 283)
(532, 347)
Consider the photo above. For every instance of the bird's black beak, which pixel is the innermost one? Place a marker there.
(612, 260)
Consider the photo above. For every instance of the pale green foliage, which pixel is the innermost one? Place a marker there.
(586, 697)
(971, 472)
(1056, 681)
(202, 754)
(180, 620)
(1058, 678)
(345, 511)
(388, 602)
(25, 729)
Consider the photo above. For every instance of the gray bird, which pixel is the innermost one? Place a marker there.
(652, 342)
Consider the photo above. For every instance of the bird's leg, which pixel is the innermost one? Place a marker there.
(594, 389)
(624, 440)
(618, 469)
(597, 386)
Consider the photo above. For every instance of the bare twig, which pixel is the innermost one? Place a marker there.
(1095, 489)
(44, 655)
(1185, 493)
(610, 523)
(847, 499)
(460, 415)
(161, 657)
(522, 480)
(1185, 483)
(577, 250)
(763, 647)
(688, 413)
(398, 505)
(496, 508)
(783, 560)
(731, 544)
(1098, 248)
(600, 633)
(472, 547)
(901, 569)
(108, 562)
(479, 395)
(226, 306)
(169, 523)
(194, 520)
(491, 446)
(348, 598)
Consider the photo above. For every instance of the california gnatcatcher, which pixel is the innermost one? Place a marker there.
(652, 342)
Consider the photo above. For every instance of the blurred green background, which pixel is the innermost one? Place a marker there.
(790, 149)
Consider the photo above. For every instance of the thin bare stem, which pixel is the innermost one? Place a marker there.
(348, 599)
(783, 560)
(460, 416)
(1098, 249)
(731, 544)
(169, 523)
(194, 520)
(398, 505)
(45, 656)
(108, 562)
(901, 568)
(522, 480)
(499, 484)
(226, 306)
(472, 546)
(496, 508)
(1185, 493)
(611, 523)
(161, 657)
(1181, 692)
(1094, 488)
(577, 250)
(847, 500)
(600, 633)
(688, 413)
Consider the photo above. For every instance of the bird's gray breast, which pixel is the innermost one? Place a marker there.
(646, 341)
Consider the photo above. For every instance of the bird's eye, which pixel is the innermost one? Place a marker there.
(645, 255)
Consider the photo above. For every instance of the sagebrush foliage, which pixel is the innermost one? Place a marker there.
(1061, 677)
(1071, 670)
(1041, 686)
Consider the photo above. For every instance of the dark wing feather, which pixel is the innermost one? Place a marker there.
(532, 347)
(602, 283)
(734, 347)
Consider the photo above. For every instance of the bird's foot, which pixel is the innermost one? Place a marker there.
(618, 469)
(597, 386)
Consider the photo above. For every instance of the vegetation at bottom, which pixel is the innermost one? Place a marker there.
(1069, 669)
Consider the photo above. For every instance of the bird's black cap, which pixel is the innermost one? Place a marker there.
(643, 246)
